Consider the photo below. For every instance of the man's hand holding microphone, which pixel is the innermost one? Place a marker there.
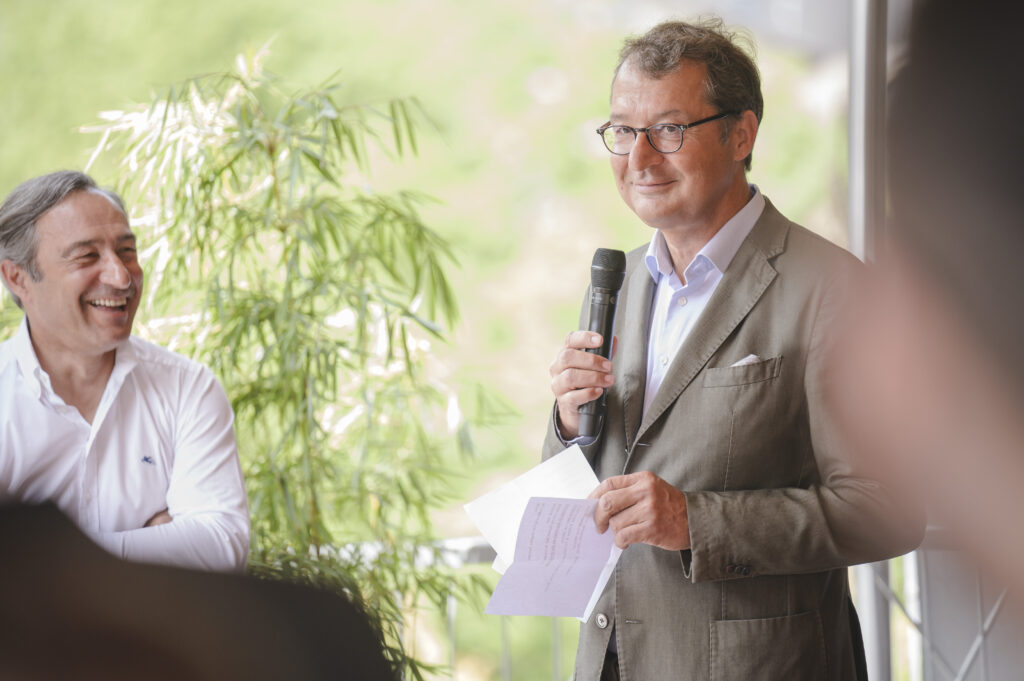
(639, 507)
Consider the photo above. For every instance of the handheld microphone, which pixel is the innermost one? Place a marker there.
(606, 274)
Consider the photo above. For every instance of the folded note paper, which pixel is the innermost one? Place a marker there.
(561, 563)
(541, 525)
(497, 513)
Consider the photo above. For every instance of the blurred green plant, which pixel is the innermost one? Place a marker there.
(315, 299)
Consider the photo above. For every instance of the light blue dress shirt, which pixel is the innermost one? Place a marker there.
(677, 306)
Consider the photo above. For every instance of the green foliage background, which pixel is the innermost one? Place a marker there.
(510, 94)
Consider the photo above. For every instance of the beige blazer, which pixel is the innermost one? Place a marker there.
(777, 509)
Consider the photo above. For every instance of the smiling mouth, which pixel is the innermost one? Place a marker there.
(120, 304)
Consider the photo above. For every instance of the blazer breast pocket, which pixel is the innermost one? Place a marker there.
(721, 377)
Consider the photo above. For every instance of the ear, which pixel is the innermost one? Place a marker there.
(14, 276)
(744, 132)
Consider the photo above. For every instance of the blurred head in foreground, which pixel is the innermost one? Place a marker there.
(932, 363)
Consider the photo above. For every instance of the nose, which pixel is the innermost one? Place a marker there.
(115, 273)
(643, 155)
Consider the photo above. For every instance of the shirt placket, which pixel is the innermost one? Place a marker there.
(86, 466)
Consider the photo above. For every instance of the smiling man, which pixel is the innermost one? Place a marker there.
(723, 476)
(132, 441)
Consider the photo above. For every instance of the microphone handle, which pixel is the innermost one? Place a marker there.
(602, 320)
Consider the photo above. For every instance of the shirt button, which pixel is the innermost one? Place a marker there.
(602, 621)
(664, 360)
(681, 301)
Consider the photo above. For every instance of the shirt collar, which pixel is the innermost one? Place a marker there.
(721, 248)
(25, 355)
(657, 259)
(124, 361)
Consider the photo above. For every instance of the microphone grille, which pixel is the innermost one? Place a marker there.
(608, 269)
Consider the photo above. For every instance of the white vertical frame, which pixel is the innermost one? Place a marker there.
(868, 54)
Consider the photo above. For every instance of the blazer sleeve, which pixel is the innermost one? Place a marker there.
(843, 518)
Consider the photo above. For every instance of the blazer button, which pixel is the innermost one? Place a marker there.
(602, 621)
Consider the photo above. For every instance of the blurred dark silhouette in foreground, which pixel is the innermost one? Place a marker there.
(69, 610)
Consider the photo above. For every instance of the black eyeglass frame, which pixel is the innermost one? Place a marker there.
(683, 127)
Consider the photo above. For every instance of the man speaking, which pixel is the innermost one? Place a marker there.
(723, 475)
(132, 441)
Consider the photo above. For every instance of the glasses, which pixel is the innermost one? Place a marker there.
(665, 138)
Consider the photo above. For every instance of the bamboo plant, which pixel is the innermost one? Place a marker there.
(315, 299)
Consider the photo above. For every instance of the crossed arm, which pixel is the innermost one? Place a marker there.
(205, 524)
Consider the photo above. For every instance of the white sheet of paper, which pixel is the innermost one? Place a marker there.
(497, 513)
(561, 563)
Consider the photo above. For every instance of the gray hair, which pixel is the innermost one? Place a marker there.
(733, 82)
(27, 203)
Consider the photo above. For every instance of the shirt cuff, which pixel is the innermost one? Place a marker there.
(581, 440)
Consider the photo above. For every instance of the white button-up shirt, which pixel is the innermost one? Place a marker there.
(162, 437)
(677, 306)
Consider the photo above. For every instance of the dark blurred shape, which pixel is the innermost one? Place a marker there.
(930, 369)
(956, 138)
(69, 610)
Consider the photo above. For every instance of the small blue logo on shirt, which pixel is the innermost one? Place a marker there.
(148, 459)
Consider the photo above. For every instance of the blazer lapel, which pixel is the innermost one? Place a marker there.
(742, 285)
(632, 353)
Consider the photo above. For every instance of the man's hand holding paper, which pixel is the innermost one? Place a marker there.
(641, 508)
(542, 527)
